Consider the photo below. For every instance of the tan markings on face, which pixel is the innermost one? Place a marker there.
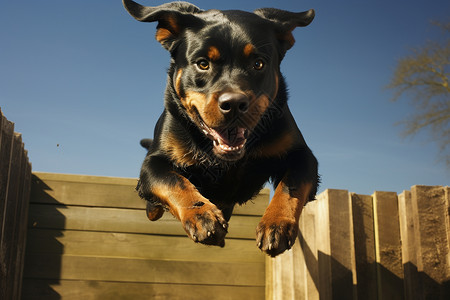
(277, 148)
(248, 49)
(178, 151)
(178, 82)
(206, 107)
(213, 53)
(276, 86)
(194, 100)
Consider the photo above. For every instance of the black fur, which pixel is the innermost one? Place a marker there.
(234, 44)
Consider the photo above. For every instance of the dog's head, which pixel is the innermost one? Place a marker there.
(225, 65)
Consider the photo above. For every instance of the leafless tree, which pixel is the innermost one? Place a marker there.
(423, 77)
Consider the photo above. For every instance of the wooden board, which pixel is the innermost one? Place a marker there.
(109, 192)
(431, 227)
(123, 221)
(335, 245)
(139, 246)
(309, 253)
(388, 246)
(95, 290)
(412, 280)
(362, 210)
(116, 269)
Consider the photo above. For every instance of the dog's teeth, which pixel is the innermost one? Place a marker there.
(209, 233)
(215, 143)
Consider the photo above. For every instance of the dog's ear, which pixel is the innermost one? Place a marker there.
(285, 22)
(173, 18)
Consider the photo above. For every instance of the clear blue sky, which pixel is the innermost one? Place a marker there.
(86, 76)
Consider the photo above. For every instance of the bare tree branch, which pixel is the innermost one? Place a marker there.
(423, 77)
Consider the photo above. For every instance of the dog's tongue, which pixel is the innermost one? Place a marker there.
(232, 137)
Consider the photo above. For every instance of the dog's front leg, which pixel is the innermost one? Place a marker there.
(278, 228)
(201, 219)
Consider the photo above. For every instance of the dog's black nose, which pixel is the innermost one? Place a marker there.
(233, 103)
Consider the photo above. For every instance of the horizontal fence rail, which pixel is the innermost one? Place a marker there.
(383, 246)
(15, 178)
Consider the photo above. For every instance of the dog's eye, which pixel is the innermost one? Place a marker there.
(203, 64)
(258, 65)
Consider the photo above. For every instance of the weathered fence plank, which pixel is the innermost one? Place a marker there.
(309, 254)
(123, 220)
(15, 172)
(124, 269)
(384, 246)
(86, 290)
(110, 192)
(335, 245)
(388, 246)
(430, 205)
(364, 237)
(132, 245)
(409, 255)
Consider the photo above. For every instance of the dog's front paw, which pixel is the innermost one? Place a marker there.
(204, 223)
(274, 235)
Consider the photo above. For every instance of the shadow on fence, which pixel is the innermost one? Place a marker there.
(384, 246)
(15, 176)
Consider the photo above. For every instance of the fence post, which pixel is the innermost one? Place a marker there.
(430, 206)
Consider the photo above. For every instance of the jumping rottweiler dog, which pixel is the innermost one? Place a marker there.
(226, 128)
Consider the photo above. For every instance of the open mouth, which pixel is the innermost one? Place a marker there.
(228, 142)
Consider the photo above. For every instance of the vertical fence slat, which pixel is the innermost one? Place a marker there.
(412, 283)
(362, 209)
(15, 175)
(309, 252)
(6, 140)
(12, 205)
(388, 246)
(335, 245)
(431, 208)
(270, 289)
(300, 272)
(24, 225)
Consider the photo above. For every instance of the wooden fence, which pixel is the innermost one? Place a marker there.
(384, 246)
(15, 174)
(89, 238)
